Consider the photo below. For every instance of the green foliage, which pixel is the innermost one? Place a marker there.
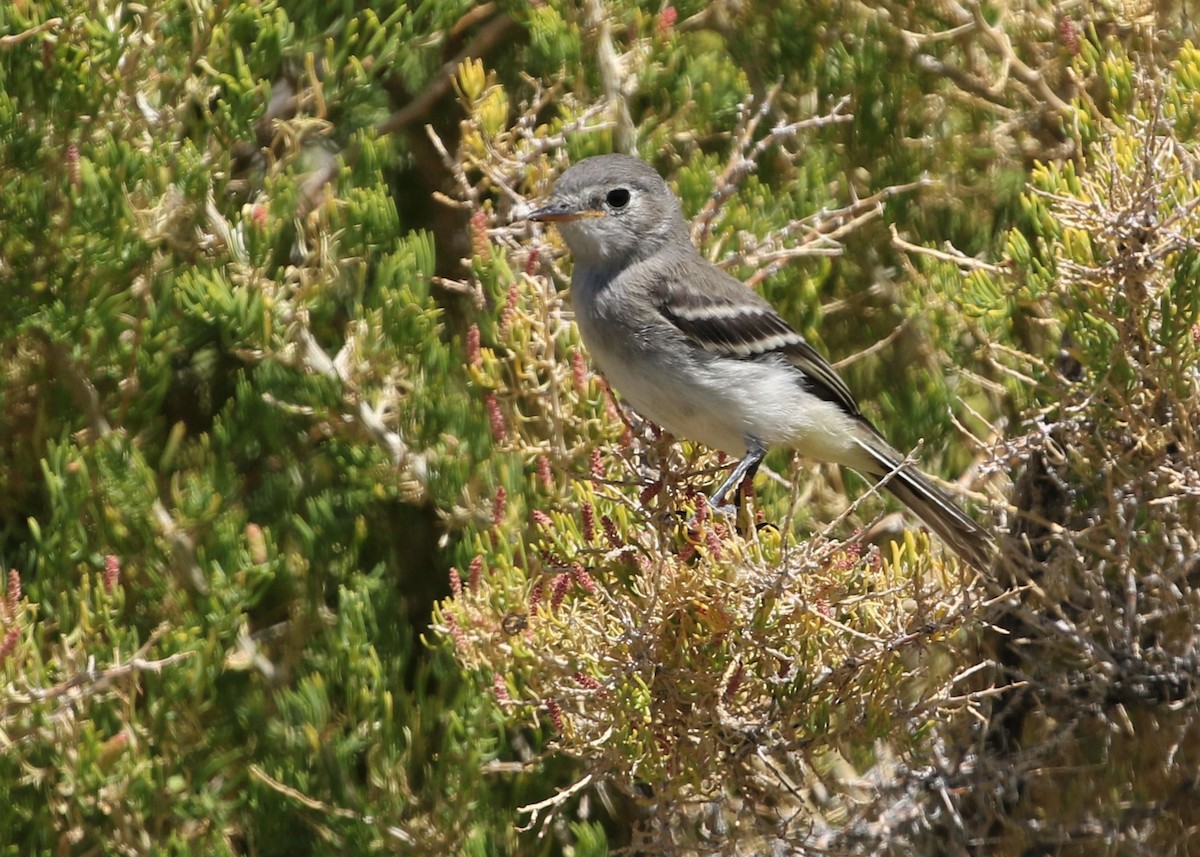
(223, 559)
(660, 664)
(1105, 500)
(276, 356)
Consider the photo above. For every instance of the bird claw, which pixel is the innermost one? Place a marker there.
(728, 510)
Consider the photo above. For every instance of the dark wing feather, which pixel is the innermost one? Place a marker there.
(741, 324)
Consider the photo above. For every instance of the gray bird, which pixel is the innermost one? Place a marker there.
(705, 357)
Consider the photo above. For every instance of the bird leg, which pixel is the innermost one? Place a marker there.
(745, 469)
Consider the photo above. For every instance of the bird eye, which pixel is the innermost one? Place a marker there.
(618, 197)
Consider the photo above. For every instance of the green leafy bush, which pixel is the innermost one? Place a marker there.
(321, 537)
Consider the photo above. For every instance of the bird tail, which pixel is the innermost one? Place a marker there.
(929, 503)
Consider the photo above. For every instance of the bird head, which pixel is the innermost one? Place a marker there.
(613, 210)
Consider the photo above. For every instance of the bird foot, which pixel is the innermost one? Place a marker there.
(727, 510)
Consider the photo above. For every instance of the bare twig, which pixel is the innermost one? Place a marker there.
(319, 806)
(551, 804)
(89, 682)
(490, 35)
(613, 73)
(950, 254)
(876, 347)
(370, 419)
(746, 153)
(17, 38)
(820, 234)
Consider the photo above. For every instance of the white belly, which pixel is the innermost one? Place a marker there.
(720, 402)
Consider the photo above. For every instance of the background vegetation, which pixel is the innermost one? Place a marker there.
(321, 537)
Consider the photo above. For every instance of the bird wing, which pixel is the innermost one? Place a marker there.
(729, 319)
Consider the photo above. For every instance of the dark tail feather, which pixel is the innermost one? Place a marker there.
(929, 503)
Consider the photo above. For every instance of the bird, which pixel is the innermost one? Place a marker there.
(707, 358)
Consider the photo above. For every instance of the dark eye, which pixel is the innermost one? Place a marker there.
(618, 197)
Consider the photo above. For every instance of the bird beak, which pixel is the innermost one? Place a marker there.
(561, 212)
